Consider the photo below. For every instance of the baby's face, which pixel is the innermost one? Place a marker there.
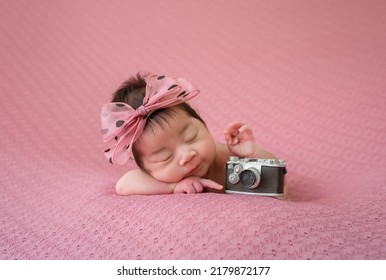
(183, 148)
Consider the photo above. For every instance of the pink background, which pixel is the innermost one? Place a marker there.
(308, 76)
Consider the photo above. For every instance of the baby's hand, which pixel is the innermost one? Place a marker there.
(194, 184)
(240, 139)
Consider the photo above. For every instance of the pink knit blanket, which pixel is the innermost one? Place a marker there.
(308, 76)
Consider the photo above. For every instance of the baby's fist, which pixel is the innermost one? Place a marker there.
(240, 139)
(194, 184)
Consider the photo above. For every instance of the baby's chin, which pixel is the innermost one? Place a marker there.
(202, 172)
(168, 179)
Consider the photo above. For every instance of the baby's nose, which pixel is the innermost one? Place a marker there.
(187, 156)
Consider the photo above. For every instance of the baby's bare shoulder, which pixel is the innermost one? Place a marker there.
(222, 152)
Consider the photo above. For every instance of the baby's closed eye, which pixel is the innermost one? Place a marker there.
(161, 156)
(191, 137)
(164, 158)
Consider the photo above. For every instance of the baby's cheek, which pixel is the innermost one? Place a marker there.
(168, 175)
(209, 150)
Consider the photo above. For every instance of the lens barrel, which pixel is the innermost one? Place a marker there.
(250, 178)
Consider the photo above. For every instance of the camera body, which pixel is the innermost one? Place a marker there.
(255, 176)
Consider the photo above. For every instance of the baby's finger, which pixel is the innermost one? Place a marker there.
(235, 126)
(232, 127)
(198, 186)
(228, 138)
(244, 127)
(246, 133)
(207, 183)
(189, 189)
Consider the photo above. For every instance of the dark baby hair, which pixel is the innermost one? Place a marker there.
(132, 91)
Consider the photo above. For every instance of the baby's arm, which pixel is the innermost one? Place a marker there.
(138, 182)
(241, 142)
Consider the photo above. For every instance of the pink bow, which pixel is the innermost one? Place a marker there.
(122, 125)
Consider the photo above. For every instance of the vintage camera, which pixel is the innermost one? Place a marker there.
(255, 176)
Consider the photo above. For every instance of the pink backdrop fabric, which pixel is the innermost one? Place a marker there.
(308, 76)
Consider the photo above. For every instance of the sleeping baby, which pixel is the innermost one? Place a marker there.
(150, 121)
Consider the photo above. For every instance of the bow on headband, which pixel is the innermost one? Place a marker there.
(122, 125)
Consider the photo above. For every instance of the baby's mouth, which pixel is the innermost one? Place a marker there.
(194, 170)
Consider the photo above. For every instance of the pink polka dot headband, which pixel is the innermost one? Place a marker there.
(122, 125)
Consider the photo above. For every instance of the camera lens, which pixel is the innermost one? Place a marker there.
(250, 178)
(247, 177)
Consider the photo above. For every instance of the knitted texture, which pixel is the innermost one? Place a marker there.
(308, 76)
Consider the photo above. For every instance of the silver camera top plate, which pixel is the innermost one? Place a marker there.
(264, 162)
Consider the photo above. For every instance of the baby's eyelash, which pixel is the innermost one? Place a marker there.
(192, 138)
(167, 158)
